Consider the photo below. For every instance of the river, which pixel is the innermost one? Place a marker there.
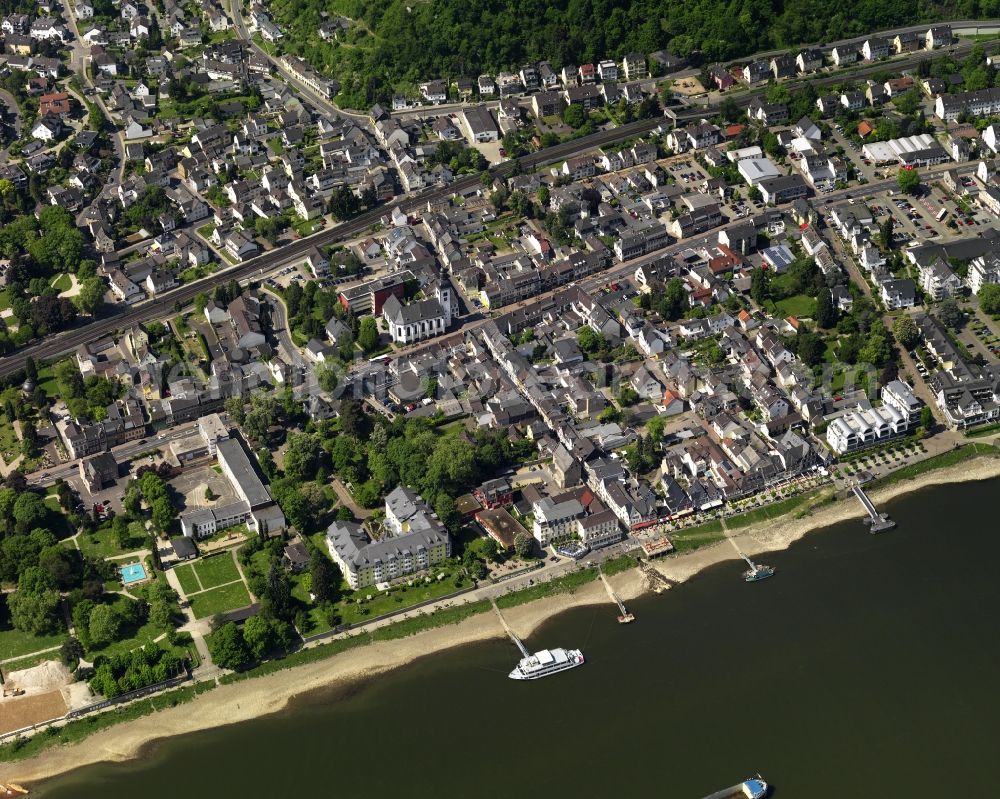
(866, 667)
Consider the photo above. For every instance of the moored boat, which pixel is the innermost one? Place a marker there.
(755, 788)
(758, 572)
(546, 662)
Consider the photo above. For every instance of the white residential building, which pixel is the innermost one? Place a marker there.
(555, 521)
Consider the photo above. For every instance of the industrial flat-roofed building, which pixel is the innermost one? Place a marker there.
(255, 506)
(369, 297)
(480, 124)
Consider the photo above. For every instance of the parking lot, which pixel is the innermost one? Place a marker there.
(978, 338)
(191, 485)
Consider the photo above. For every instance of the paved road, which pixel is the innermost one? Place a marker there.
(78, 64)
(920, 387)
(13, 109)
(156, 308)
(279, 326)
(160, 306)
(320, 102)
(122, 452)
(346, 499)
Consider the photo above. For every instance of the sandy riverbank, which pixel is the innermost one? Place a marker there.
(775, 536)
(257, 697)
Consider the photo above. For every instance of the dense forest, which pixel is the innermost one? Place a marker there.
(391, 43)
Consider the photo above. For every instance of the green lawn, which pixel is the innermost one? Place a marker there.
(221, 36)
(193, 273)
(699, 536)
(306, 227)
(949, 458)
(63, 283)
(560, 585)
(29, 661)
(219, 600)
(144, 635)
(10, 447)
(799, 306)
(772, 511)
(356, 606)
(4, 300)
(47, 380)
(14, 643)
(102, 544)
(187, 578)
(216, 570)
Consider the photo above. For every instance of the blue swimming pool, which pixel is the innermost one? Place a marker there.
(133, 573)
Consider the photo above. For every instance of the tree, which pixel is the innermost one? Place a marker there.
(29, 512)
(104, 624)
(35, 613)
(809, 347)
(322, 574)
(771, 144)
(326, 377)
(989, 298)
(59, 564)
(906, 332)
(91, 296)
(876, 349)
(950, 314)
(267, 465)
(760, 285)
(367, 494)
(885, 232)
(344, 204)
(277, 597)
(908, 180)
(302, 456)
(162, 612)
(71, 651)
(674, 300)
(368, 337)
(261, 635)
(236, 408)
(655, 429)
(444, 507)
(523, 544)
(575, 116)
(926, 417)
(353, 420)
(826, 311)
(228, 648)
(590, 340)
(627, 396)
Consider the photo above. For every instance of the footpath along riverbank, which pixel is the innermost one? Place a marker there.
(251, 698)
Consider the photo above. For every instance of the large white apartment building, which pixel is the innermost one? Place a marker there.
(865, 427)
(984, 269)
(556, 521)
(415, 540)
